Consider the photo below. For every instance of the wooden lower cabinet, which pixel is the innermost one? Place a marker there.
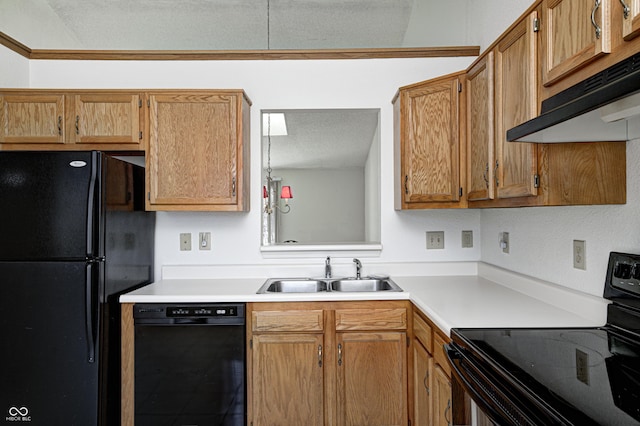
(431, 375)
(327, 363)
(422, 385)
(441, 398)
(289, 387)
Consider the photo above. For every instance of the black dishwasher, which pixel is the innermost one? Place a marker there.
(190, 364)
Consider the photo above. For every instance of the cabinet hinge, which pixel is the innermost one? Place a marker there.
(149, 196)
(536, 25)
(139, 103)
(536, 181)
(140, 135)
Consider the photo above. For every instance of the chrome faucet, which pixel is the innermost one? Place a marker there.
(358, 268)
(327, 267)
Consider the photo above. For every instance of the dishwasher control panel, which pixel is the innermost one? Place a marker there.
(202, 311)
(181, 313)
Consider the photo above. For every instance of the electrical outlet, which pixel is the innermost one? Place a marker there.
(504, 242)
(467, 239)
(580, 254)
(204, 241)
(185, 241)
(435, 240)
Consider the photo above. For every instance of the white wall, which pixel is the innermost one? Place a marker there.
(279, 85)
(541, 238)
(14, 69)
(372, 190)
(327, 205)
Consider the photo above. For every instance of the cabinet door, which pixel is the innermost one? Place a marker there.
(442, 415)
(32, 118)
(575, 33)
(631, 19)
(192, 150)
(480, 128)
(288, 380)
(422, 385)
(371, 378)
(431, 148)
(107, 119)
(516, 102)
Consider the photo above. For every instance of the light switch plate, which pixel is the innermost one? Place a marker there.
(435, 240)
(185, 241)
(467, 239)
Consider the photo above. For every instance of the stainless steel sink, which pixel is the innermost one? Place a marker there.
(293, 285)
(312, 285)
(363, 284)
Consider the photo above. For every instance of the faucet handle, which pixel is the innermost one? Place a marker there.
(358, 267)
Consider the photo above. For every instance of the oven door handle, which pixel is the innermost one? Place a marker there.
(465, 375)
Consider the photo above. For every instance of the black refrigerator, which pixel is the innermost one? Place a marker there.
(74, 236)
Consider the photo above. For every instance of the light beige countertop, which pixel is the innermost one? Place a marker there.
(492, 298)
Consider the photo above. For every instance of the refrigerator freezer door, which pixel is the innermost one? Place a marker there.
(44, 359)
(50, 205)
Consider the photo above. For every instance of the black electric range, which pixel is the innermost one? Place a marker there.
(556, 376)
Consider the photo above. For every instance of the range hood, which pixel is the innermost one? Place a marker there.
(605, 107)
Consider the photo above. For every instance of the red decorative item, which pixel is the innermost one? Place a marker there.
(286, 192)
(264, 192)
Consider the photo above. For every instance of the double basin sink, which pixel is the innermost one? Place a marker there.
(313, 285)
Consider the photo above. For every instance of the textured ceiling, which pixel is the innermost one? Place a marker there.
(332, 139)
(233, 24)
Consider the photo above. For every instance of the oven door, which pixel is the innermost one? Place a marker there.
(496, 398)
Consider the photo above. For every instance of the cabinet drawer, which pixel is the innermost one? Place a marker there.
(307, 320)
(371, 319)
(438, 353)
(422, 331)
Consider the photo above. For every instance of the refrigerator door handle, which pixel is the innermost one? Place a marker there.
(89, 314)
(91, 206)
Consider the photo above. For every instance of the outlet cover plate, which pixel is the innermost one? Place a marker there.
(435, 240)
(580, 254)
(185, 241)
(204, 239)
(504, 242)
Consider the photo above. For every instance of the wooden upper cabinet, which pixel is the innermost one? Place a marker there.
(107, 119)
(630, 19)
(198, 157)
(480, 129)
(29, 118)
(428, 143)
(575, 33)
(516, 102)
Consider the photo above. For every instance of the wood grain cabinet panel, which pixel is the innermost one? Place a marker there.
(288, 390)
(575, 33)
(32, 118)
(427, 141)
(107, 119)
(630, 19)
(341, 373)
(372, 376)
(516, 101)
(198, 147)
(442, 409)
(422, 385)
(480, 129)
